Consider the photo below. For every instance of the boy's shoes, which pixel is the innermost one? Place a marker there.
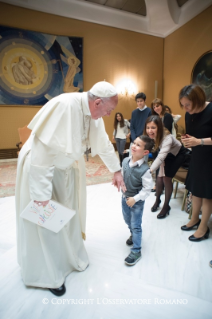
(129, 241)
(132, 258)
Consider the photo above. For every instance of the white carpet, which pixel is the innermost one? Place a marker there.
(172, 280)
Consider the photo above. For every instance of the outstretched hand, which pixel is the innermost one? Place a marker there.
(118, 181)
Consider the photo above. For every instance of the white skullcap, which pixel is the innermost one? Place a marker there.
(103, 89)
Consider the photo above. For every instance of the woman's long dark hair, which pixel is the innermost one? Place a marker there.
(116, 121)
(161, 132)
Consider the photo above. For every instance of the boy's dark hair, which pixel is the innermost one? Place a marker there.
(140, 96)
(149, 142)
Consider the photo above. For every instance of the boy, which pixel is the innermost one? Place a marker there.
(138, 181)
(139, 116)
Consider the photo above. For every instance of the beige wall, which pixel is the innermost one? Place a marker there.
(109, 53)
(181, 51)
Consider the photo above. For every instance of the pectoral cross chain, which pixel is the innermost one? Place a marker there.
(86, 152)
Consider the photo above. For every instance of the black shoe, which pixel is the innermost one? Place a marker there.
(129, 241)
(132, 258)
(192, 227)
(155, 206)
(163, 215)
(193, 238)
(58, 291)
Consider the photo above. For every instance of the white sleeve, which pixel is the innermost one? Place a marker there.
(164, 150)
(176, 118)
(147, 184)
(41, 171)
(101, 145)
(127, 123)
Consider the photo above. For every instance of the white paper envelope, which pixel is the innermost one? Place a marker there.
(53, 216)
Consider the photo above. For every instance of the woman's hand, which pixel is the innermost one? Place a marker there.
(190, 141)
(128, 135)
(40, 203)
(113, 139)
(183, 137)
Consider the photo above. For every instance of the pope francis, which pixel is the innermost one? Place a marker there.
(51, 166)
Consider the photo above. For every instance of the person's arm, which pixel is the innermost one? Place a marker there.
(41, 171)
(176, 118)
(127, 125)
(114, 132)
(164, 150)
(126, 128)
(132, 127)
(168, 121)
(101, 145)
(207, 141)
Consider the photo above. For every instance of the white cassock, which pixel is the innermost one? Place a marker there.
(51, 166)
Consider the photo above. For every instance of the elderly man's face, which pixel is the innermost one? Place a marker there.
(101, 107)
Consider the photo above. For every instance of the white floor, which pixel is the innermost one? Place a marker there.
(172, 280)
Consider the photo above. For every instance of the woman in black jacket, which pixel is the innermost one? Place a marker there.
(158, 108)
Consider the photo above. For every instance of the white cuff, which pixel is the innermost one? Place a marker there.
(137, 197)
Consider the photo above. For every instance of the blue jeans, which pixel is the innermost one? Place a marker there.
(120, 144)
(133, 218)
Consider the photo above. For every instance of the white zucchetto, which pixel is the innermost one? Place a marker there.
(103, 89)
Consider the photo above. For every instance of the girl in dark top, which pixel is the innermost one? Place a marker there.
(198, 136)
(176, 118)
(158, 108)
(120, 134)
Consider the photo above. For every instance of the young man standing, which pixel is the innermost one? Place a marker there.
(139, 116)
